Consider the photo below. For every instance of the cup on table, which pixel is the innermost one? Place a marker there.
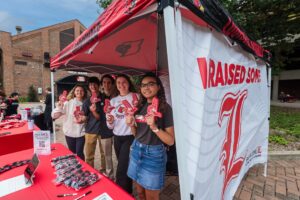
(30, 124)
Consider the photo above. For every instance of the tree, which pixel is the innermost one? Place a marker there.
(103, 3)
(32, 94)
(273, 23)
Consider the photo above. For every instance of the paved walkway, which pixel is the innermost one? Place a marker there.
(282, 181)
(286, 105)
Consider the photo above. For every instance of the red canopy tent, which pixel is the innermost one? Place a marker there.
(135, 36)
(108, 45)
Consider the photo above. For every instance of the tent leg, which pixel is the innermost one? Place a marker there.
(52, 99)
(265, 169)
(269, 74)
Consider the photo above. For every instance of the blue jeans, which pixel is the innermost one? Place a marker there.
(147, 165)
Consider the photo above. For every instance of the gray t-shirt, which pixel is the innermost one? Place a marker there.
(145, 135)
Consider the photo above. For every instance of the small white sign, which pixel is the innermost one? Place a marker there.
(103, 196)
(40, 90)
(41, 142)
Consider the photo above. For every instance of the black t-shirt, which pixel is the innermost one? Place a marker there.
(12, 107)
(145, 135)
(92, 124)
(105, 132)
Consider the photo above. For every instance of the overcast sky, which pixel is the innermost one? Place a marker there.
(34, 14)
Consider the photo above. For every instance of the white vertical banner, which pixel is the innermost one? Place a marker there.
(175, 69)
(221, 107)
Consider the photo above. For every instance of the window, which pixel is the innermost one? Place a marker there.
(18, 62)
(66, 37)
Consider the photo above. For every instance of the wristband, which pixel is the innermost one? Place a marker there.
(155, 130)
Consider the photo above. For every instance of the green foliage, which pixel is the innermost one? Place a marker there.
(23, 99)
(278, 139)
(103, 3)
(136, 81)
(286, 120)
(274, 23)
(32, 94)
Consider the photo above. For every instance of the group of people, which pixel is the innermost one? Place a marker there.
(140, 145)
(9, 106)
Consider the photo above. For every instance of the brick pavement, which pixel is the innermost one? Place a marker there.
(282, 181)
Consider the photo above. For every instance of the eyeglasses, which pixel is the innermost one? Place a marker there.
(150, 84)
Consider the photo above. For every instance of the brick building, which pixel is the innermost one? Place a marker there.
(22, 56)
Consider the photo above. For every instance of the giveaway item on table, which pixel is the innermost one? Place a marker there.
(41, 142)
(15, 116)
(94, 98)
(13, 165)
(54, 161)
(11, 123)
(63, 97)
(152, 110)
(5, 133)
(69, 172)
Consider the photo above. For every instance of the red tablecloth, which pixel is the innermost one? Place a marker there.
(44, 188)
(19, 139)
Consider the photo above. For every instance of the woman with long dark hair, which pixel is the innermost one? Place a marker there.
(122, 134)
(69, 110)
(152, 131)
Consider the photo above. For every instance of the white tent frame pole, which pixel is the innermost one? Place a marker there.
(173, 61)
(269, 90)
(52, 100)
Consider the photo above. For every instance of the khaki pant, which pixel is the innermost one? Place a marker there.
(105, 146)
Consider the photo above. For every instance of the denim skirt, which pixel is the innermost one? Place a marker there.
(147, 165)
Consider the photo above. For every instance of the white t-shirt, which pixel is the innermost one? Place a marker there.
(120, 128)
(70, 127)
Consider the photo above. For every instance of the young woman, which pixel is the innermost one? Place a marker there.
(73, 131)
(123, 137)
(148, 159)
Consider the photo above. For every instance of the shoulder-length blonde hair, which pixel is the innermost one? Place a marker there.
(71, 94)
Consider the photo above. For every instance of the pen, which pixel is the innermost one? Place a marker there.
(89, 192)
(65, 195)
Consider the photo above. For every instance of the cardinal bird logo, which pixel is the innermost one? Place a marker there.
(231, 107)
(129, 48)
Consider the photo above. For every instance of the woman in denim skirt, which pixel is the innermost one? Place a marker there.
(148, 158)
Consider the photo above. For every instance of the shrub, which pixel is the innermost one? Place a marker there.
(23, 99)
(278, 139)
(32, 94)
